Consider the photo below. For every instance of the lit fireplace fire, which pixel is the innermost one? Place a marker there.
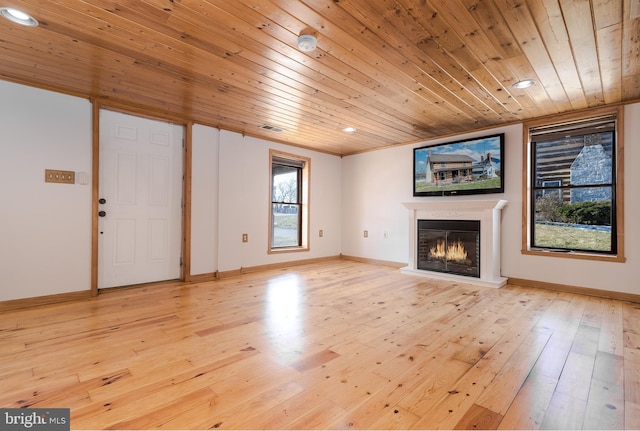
(455, 252)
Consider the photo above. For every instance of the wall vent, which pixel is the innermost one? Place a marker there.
(271, 128)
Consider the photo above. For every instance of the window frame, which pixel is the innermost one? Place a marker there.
(618, 190)
(303, 204)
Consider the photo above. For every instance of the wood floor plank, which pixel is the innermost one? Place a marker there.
(605, 407)
(290, 411)
(586, 341)
(499, 394)
(460, 398)
(485, 335)
(631, 416)
(315, 416)
(631, 325)
(478, 417)
(330, 345)
(528, 408)
(552, 359)
(612, 329)
(396, 419)
(315, 360)
(47, 389)
(609, 369)
(575, 379)
(155, 418)
(564, 412)
(434, 387)
(593, 312)
(632, 375)
(251, 409)
(381, 402)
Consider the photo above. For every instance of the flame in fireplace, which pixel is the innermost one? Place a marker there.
(455, 252)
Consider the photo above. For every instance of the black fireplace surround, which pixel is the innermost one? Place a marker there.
(450, 246)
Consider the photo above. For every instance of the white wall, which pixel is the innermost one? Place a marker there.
(245, 196)
(376, 183)
(204, 199)
(619, 277)
(45, 228)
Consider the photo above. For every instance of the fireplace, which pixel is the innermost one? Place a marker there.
(485, 242)
(449, 246)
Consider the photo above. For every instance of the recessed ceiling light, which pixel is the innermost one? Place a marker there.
(18, 16)
(524, 84)
(349, 129)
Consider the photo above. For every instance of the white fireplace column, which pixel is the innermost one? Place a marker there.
(488, 212)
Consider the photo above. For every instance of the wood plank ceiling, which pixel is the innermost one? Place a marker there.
(399, 71)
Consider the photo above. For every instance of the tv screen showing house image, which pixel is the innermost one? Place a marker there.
(471, 166)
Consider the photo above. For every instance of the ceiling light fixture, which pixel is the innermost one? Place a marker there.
(524, 84)
(349, 129)
(18, 16)
(307, 42)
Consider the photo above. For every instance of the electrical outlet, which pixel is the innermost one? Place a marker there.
(56, 176)
(320, 233)
(366, 234)
(245, 237)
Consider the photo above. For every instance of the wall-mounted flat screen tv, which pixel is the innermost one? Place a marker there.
(463, 167)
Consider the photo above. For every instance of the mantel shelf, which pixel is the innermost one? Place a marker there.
(457, 205)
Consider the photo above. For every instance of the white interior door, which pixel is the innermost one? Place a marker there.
(140, 192)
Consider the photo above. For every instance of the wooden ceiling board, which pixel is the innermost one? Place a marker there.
(580, 26)
(400, 71)
(630, 53)
(609, 42)
(432, 61)
(415, 92)
(343, 94)
(550, 23)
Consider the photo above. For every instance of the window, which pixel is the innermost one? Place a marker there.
(288, 212)
(574, 205)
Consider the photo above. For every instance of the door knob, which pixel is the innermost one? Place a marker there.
(102, 213)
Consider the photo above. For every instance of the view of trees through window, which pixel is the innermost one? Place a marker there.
(286, 203)
(573, 199)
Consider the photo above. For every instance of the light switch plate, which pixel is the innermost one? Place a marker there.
(57, 176)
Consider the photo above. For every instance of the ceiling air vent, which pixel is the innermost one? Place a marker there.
(271, 128)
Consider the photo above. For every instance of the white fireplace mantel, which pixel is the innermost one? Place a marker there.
(488, 212)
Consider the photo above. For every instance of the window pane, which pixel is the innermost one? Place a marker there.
(562, 221)
(573, 174)
(285, 184)
(289, 215)
(286, 222)
(577, 160)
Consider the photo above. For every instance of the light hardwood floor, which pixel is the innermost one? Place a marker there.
(339, 345)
